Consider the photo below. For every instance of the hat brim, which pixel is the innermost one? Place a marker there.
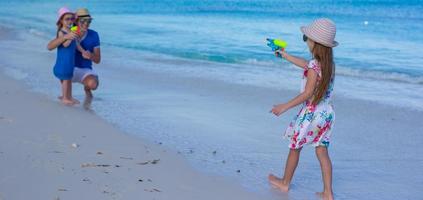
(306, 32)
(84, 16)
(64, 15)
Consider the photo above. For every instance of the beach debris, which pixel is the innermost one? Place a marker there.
(126, 158)
(223, 161)
(191, 151)
(99, 153)
(214, 152)
(149, 162)
(62, 190)
(74, 145)
(143, 163)
(152, 190)
(239, 171)
(117, 165)
(94, 165)
(55, 151)
(140, 180)
(87, 180)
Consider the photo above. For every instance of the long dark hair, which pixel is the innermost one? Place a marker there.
(324, 56)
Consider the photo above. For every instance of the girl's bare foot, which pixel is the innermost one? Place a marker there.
(67, 102)
(325, 195)
(75, 101)
(278, 183)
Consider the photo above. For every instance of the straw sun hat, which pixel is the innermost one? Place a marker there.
(322, 31)
(83, 13)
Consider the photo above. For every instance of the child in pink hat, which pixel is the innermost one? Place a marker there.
(65, 60)
(313, 124)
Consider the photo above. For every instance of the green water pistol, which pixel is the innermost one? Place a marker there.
(276, 44)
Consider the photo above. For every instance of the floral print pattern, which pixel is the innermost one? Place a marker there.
(313, 124)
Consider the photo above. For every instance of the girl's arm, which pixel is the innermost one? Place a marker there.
(300, 62)
(67, 43)
(55, 43)
(59, 40)
(307, 94)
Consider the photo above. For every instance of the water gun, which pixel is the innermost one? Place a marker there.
(276, 44)
(76, 30)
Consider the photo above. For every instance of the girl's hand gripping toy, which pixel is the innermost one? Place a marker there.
(276, 44)
(76, 30)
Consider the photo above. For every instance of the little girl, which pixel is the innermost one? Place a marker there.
(313, 123)
(65, 61)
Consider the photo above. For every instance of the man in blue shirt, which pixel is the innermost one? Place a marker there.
(90, 42)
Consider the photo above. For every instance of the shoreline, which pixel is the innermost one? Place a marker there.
(67, 153)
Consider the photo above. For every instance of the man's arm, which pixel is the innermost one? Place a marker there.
(96, 58)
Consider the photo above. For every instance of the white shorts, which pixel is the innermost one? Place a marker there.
(79, 74)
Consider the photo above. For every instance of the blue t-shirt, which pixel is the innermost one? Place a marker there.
(90, 42)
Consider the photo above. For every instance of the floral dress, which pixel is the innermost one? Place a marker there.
(313, 123)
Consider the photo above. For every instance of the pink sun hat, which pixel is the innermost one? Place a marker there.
(322, 31)
(62, 11)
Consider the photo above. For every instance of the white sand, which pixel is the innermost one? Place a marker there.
(38, 160)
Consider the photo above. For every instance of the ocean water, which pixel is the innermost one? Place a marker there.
(379, 40)
(378, 59)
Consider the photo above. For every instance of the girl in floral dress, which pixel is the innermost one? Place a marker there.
(313, 124)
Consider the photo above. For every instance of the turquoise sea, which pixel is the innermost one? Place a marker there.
(379, 40)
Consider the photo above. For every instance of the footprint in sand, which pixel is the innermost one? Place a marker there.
(6, 119)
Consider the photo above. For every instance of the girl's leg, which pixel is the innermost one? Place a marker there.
(66, 95)
(69, 92)
(290, 166)
(61, 96)
(326, 166)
